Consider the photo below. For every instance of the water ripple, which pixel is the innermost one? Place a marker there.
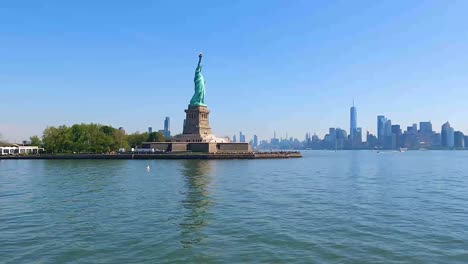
(338, 207)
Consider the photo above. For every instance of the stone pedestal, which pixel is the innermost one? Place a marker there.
(197, 121)
(197, 125)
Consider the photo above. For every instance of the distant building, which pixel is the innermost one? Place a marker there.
(315, 138)
(274, 142)
(331, 136)
(396, 133)
(409, 139)
(410, 130)
(150, 130)
(20, 150)
(341, 137)
(167, 127)
(436, 140)
(447, 135)
(234, 139)
(352, 124)
(371, 140)
(255, 141)
(381, 121)
(396, 129)
(335, 139)
(241, 137)
(389, 141)
(388, 128)
(426, 135)
(459, 140)
(425, 127)
(358, 137)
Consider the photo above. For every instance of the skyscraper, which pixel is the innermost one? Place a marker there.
(389, 141)
(150, 130)
(396, 129)
(447, 133)
(410, 130)
(358, 137)
(425, 127)
(352, 123)
(255, 141)
(234, 139)
(241, 137)
(381, 120)
(459, 140)
(167, 127)
(388, 128)
(397, 135)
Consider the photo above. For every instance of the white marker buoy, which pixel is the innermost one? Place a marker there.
(148, 168)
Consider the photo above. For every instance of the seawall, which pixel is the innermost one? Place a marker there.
(247, 155)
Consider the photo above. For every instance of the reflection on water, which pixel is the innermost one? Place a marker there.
(355, 167)
(197, 201)
(328, 207)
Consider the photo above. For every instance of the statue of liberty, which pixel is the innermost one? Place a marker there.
(198, 98)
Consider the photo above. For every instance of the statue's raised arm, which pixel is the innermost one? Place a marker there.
(198, 98)
(199, 59)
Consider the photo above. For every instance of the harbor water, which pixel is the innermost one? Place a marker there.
(327, 207)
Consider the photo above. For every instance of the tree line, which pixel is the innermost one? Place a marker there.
(90, 138)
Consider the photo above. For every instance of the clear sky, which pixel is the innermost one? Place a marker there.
(289, 66)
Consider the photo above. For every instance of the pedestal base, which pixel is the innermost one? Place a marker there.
(197, 121)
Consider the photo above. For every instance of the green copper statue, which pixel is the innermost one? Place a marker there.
(198, 98)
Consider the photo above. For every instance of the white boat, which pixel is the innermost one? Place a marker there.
(403, 149)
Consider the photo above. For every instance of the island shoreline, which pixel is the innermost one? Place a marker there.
(162, 156)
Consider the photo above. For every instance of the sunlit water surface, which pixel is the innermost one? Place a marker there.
(339, 207)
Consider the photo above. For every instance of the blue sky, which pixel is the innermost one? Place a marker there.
(289, 66)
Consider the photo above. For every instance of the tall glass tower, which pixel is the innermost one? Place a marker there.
(447, 133)
(353, 123)
(167, 127)
(381, 121)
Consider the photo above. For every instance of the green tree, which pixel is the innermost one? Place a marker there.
(120, 139)
(35, 141)
(107, 130)
(92, 138)
(80, 139)
(57, 139)
(156, 137)
(136, 139)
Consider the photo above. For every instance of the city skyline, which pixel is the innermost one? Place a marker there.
(114, 64)
(384, 126)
